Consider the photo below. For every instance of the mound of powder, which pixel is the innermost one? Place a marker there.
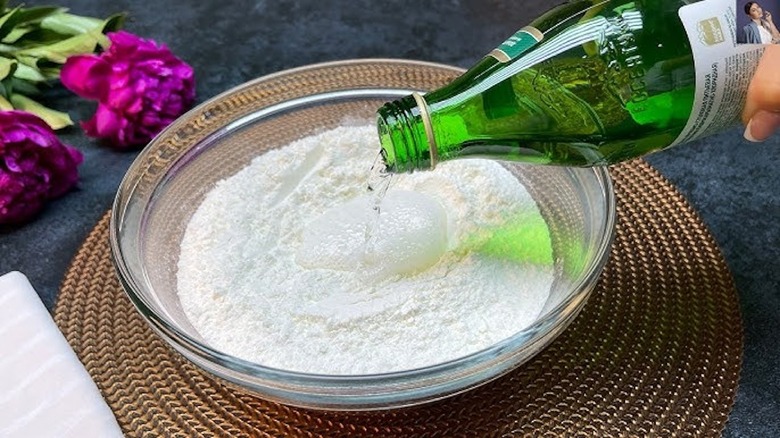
(271, 270)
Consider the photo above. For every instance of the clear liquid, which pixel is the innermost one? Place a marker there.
(379, 181)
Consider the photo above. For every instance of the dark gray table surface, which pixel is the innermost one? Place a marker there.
(732, 184)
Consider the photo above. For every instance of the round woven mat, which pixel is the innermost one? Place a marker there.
(655, 352)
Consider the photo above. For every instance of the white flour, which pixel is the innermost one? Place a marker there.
(256, 284)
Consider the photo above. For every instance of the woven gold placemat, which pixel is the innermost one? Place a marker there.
(655, 352)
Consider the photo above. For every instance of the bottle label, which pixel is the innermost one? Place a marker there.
(723, 67)
(518, 43)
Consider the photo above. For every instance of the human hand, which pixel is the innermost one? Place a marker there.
(761, 114)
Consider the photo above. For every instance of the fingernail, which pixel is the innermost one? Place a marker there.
(761, 126)
(749, 134)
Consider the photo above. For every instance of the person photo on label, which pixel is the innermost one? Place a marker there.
(760, 28)
(762, 105)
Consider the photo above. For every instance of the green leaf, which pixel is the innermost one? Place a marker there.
(7, 67)
(55, 119)
(60, 51)
(36, 14)
(38, 37)
(28, 36)
(20, 16)
(24, 71)
(114, 22)
(79, 44)
(17, 33)
(30, 61)
(69, 24)
(7, 21)
(7, 48)
(5, 87)
(21, 86)
(50, 73)
(5, 105)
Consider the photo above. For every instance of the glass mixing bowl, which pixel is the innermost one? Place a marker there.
(166, 183)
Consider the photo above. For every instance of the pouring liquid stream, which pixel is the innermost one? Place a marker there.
(379, 181)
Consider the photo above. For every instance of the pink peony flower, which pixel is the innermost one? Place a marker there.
(34, 166)
(140, 86)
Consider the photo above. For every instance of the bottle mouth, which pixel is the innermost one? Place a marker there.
(405, 135)
(387, 146)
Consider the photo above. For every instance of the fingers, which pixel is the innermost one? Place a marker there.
(761, 114)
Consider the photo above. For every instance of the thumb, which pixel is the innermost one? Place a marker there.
(761, 114)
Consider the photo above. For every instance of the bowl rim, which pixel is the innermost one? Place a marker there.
(179, 339)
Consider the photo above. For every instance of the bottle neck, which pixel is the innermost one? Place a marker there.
(406, 135)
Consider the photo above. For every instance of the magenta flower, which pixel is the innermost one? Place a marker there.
(34, 166)
(140, 86)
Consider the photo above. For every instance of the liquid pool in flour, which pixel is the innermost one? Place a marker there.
(274, 266)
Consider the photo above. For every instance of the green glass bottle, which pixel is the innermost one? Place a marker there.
(589, 83)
